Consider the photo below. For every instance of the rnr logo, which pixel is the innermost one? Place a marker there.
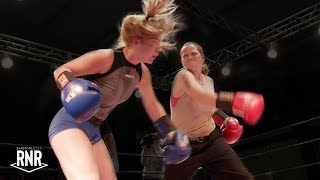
(29, 159)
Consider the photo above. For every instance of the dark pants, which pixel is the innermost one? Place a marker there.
(215, 156)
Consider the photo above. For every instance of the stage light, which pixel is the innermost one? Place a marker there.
(272, 51)
(226, 70)
(6, 61)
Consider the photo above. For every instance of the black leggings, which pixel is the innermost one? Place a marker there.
(215, 156)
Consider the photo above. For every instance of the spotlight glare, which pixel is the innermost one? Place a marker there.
(272, 53)
(6, 63)
(225, 71)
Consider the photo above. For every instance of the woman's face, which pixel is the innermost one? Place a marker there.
(191, 58)
(149, 49)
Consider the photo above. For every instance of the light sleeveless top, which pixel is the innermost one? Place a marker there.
(191, 117)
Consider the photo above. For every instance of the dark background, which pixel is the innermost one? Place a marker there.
(289, 83)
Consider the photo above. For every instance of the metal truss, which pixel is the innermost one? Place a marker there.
(216, 19)
(33, 51)
(287, 27)
(283, 29)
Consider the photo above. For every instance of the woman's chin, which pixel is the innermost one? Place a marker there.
(149, 61)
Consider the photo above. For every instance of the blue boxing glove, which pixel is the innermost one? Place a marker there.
(81, 98)
(176, 149)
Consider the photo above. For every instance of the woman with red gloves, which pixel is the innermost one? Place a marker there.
(193, 108)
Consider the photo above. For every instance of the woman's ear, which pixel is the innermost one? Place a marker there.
(203, 58)
(136, 41)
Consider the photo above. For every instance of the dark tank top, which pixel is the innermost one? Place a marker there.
(117, 84)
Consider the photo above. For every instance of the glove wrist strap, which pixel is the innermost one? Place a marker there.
(164, 126)
(63, 79)
(219, 117)
(221, 114)
(224, 101)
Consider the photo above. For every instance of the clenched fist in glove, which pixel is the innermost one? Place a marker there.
(230, 127)
(81, 98)
(177, 148)
(247, 105)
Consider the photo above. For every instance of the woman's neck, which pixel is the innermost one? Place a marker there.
(130, 55)
(197, 74)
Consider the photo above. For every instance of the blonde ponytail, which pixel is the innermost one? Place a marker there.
(158, 18)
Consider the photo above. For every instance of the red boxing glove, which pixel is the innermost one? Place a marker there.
(247, 105)
(231, 130)
(230, 127)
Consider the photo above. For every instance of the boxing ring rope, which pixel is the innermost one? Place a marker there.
(140, 172)
(288, 169)
(263, 135)
(42, 169)
(281, 148)
(129, 154)
(56, 169)
(241, 142)
(24, 145)
(273, 132)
